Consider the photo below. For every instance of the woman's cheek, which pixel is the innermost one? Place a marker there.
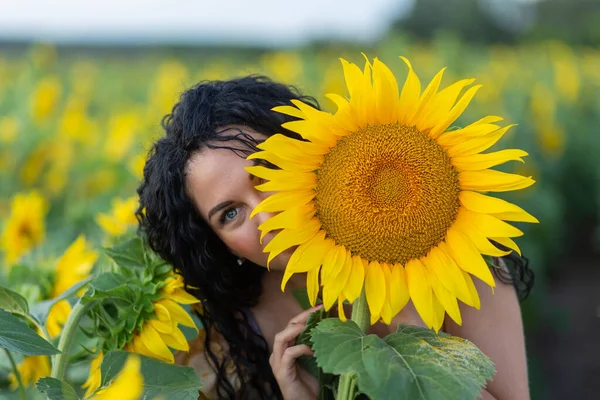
(245, 243)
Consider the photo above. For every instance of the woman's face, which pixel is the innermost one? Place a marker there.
(225, 194)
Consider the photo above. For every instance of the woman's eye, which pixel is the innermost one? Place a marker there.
(229, 215)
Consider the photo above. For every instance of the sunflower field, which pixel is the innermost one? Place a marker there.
(75, 125)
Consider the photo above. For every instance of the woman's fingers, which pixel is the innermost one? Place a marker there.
(288, 361)
(287, 337)
(303, 316)
(283, 340)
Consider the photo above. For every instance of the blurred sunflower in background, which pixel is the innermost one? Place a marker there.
(383, 195)
(25, 227)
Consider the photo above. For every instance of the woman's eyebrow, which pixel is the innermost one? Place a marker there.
(219, 207)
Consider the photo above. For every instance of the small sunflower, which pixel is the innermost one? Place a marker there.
(121, 217)
(31, 369)
(25, 227)
(159, 332)
(73, 266)
(382, 195)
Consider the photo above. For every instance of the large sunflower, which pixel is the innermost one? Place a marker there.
(382, 194)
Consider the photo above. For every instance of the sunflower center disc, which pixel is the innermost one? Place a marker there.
(387, 193)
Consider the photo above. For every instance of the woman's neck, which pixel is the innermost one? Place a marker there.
(275, 308)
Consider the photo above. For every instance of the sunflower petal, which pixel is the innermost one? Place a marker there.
(283, 200)
(154, 343)
(507, 242)
(439, 263)
(455, 112)
(398, 288)
(446, 299)
(307, 179)
(291, 237)
(289, 110)
(458, 136)
(441, 104)
(477, 144)
(386, 93)
(308, 163)
(386, 310)
(287, 146)
(356, 281)
(176, 340)
(438, 314)
(483, 204)
(425, 102)
(312, 285)
(409, 96)
(291, 218)
(333, 263)
(467, 257)
(341, 312)
(477, 162)
(333, 290)
(375, 289)
(483, 245)
(491, 226)
(420, 290)
(307, 256)
(489, 180)
(311, 130)
(475, 301)
(177, 313)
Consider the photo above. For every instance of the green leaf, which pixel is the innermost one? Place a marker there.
(128, 253)
(56, 389)
(309, 363)
(412, 363)
(42, 309)
(13, 302)
(109, 285)
(16, 336)
(168, 381)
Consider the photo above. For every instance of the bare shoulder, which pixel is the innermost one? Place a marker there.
(497, 329)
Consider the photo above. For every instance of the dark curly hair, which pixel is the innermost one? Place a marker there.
(178, 234)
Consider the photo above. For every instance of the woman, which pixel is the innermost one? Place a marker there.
(197, 198)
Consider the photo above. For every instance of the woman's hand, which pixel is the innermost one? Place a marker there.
(295, 383)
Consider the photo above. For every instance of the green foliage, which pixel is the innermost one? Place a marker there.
(40, 310)
(56, 389)
(13, 302)
(123, 299)
(16, 336)
(412, 363)
(160, 379)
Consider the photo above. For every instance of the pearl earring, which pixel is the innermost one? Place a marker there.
(240, 261)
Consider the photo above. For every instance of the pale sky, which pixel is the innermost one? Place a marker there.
(267, 22)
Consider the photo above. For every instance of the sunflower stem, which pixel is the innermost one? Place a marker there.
(17, 374)
(347, 388)
(66, 339)
(360, 312)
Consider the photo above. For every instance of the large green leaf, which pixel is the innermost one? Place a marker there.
(168, 381)
(16, 336)
(56, 389)
(413, 363)
(13, 302)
